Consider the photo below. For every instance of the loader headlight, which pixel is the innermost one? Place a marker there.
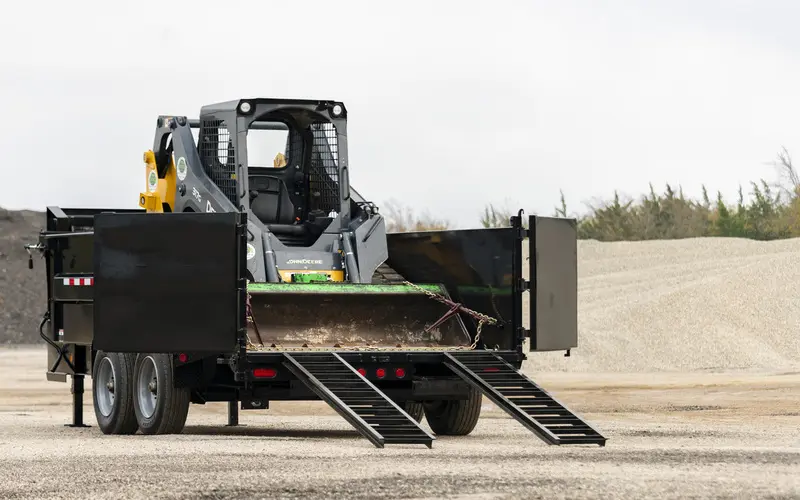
(244, 107)
(336, 110)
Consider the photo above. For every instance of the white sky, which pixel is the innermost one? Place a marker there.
(452, 105)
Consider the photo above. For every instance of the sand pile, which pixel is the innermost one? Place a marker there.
(697, 304)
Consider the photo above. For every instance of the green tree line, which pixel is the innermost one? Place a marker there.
(763, 211)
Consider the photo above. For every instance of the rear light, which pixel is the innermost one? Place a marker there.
(399, 373)
(491, 369)
(363, 372)
(264, 373)
(380, 372)
(182, 357)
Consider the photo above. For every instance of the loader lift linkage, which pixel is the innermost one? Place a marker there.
(386, 328)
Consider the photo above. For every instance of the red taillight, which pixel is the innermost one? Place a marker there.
(380, 372)
(182, 357)
(400, 373)
(491, 369)
(264, 373)
(363, 372)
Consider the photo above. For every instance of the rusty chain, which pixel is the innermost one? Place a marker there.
(482, 318)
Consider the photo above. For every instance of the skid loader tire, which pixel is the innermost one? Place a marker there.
(112, 393)
(166, 412)
(385, 275)
(454, 418)
(414, 410)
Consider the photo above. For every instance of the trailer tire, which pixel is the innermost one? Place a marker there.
(161, 408)
(112, 393)
(414, 410)
(454, 418)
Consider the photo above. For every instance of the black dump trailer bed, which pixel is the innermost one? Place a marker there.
(154, 307)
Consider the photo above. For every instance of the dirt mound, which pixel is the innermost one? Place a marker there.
(23, 295)
(709, 304)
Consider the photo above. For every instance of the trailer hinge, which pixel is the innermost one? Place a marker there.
(523, 285)
(516, 222)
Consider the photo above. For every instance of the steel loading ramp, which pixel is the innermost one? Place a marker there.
(356, 399)
(522, 398)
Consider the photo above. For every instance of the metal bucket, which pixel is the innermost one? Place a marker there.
(347, 315)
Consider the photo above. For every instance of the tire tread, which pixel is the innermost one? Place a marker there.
(457, 418)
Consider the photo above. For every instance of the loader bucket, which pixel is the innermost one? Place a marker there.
(351, 316)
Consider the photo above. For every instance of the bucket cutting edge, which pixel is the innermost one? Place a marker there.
(346, 288)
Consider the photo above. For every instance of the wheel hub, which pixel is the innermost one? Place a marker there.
(147, 387)
(104, 382)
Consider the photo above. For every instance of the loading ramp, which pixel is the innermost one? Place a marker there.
(522, 398)
(356, 399)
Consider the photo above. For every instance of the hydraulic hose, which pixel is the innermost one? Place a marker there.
(61, 350)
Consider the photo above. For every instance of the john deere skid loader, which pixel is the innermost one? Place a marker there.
(253, 272)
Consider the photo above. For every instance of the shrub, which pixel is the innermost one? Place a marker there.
(773, 212)
(401, 218)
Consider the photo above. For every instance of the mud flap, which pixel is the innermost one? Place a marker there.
(169, 282)
(553, 261)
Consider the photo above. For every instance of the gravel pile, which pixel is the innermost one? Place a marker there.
(23, 295)
(684, 305)
(710, 304)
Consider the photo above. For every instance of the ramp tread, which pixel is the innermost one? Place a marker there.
(364, 406)
(522, 398)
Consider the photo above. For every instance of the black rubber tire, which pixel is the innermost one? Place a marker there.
(414, 409)
(456, 417)
(172, 403)
(122, 419)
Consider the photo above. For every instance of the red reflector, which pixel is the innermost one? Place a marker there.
(182, 357)
(380, 372)
(400, 373)
(491, 369)
(363, 372)
(264, 372)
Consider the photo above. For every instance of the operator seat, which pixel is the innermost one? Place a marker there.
(269, 200)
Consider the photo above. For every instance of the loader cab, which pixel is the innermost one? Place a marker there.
(288, 161)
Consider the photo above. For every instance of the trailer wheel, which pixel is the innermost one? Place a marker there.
(414, 409)
(454, 418)
(112, 393)
(161, 408)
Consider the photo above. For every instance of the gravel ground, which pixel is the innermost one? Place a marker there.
(688, 361)
(670, 436)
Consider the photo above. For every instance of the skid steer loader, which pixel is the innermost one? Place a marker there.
(306, 225)
(252, 272)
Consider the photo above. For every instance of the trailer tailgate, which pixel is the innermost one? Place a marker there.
(169, 282)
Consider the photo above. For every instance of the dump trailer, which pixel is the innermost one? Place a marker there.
(249, 282)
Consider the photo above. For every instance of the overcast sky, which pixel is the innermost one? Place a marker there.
(452, 105)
